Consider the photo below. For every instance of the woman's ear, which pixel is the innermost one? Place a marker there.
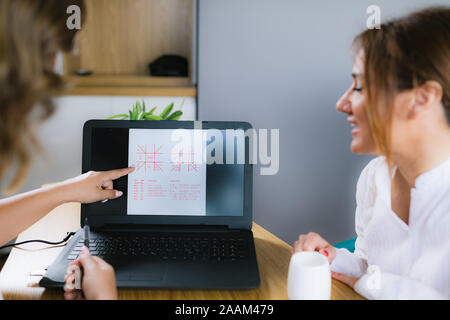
(425, 97)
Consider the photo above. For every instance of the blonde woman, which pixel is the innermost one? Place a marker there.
(399, 109)
(31, 33)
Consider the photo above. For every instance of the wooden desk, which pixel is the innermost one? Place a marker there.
(17, 283)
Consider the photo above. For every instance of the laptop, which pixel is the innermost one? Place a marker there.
(185, 218)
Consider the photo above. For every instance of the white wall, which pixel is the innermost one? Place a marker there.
(61, 136)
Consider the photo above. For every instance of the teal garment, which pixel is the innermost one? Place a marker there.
(347, 244)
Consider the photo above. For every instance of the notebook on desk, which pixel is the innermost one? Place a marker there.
(184, 220)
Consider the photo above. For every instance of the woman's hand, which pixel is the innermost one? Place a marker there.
(99, 281)
(350, 281)
(23, 210)
(93, 186)
(314, 242)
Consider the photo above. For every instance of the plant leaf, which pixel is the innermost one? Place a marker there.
(167, 111)
(138, 107)
(175, 116)
(132, 112)
(143, 106)
(153, 117)
(152, 111)
(125, 116)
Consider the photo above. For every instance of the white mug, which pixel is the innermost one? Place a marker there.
(309, 277)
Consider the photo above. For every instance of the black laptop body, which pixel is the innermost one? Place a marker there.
(177, 248)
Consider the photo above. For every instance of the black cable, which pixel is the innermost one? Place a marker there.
(69, 234)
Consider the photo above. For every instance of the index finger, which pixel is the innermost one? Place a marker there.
(116, 174)
(88, 262)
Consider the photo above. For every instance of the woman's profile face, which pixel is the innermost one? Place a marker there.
(353, 104)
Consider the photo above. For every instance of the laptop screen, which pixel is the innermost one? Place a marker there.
(178, 172)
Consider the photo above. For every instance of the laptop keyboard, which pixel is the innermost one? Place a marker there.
(165, 247)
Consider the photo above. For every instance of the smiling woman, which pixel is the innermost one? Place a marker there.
(399, 108)
(353, 103)
(401, 56)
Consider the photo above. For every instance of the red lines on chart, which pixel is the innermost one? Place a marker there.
(184, 158)
(147, 159)
(138, 189)
(192, 166)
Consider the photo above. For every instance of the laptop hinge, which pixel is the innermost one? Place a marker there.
(161, 228)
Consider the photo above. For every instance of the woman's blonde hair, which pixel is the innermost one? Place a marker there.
(403, 54)
(31, 34)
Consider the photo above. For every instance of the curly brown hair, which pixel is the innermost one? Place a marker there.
(31, 34)
(403, 54)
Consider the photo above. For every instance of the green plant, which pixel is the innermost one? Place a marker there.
(139, 112)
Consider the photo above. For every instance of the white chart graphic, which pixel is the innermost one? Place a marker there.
(167, 179)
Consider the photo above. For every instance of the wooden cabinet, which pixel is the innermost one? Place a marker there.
(119, 40)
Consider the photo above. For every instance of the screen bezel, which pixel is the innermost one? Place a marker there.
(238, 222)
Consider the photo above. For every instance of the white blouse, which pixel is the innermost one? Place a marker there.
(396, 260)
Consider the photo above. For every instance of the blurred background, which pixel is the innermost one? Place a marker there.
(278, 64)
